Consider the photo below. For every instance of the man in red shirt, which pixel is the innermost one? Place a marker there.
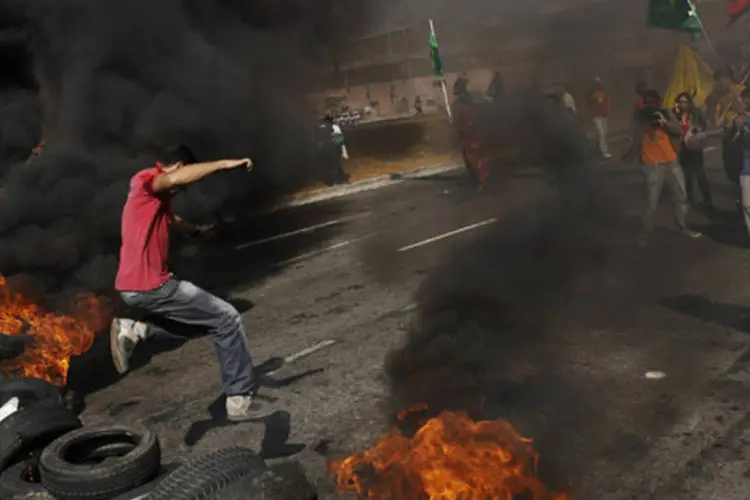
(468, 132)
(640, 90)
(598, 106)
(145, 283)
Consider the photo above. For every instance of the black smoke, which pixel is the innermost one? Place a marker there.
(493, 300)
(540, 319)
(109, 83)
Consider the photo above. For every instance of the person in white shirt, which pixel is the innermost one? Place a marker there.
(333, 149)
(568, 101)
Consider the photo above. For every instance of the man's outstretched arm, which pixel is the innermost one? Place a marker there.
(195, 172)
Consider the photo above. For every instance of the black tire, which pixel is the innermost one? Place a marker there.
(280, 482)
(12, 482)
(28, 390)
(132, 458)
(32, 428)
(213, 476)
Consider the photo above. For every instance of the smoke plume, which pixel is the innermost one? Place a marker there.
(109, 83)
(535, 320)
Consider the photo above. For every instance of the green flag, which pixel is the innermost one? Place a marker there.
(437, 64)
(676, 15)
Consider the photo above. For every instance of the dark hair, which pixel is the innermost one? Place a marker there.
(685, 95)
(178, 154)
(652, 95)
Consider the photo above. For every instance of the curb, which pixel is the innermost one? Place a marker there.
(364, 185)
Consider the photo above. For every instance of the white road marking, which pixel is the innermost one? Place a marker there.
(335, 246)
(655, 375)
(304, 230)
(447, 235)
(304, 352)
(710, 148)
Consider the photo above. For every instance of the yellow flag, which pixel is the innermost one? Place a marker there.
(690, 74)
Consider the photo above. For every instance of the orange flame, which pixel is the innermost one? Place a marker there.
(55, 337)
(451, 457)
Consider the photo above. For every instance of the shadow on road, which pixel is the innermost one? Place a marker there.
(277, 431)
(278, 423)
(732, 316)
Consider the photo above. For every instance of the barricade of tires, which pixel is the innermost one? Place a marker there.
(46, 453)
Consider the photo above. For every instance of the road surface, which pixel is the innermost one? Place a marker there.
(630, 391)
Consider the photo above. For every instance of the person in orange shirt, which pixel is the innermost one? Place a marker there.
(658, 131)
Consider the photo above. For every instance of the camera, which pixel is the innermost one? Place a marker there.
(657, 116)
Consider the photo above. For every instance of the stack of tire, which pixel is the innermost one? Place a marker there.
(46, 453)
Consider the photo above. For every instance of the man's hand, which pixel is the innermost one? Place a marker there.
(232, 164)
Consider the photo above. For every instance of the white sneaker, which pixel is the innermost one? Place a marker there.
(124, 335)
(242, 407)
(691, 234)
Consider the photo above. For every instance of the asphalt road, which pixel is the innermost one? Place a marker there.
(339, 278)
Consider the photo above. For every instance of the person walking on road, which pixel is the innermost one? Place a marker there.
(144, 282)
(694, 125)
(496, 89)
(569, 101)
(657, 130)
(468, 132)
(598, 105)
(332, 150)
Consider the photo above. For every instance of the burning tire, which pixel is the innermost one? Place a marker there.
(32, 427)
(222, 475)
(14, 482)
(28, 390)
(99, 463)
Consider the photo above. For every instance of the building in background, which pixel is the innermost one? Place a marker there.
(547, 43)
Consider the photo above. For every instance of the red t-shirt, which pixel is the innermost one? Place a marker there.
(145, 236)
(466, 120)
(684, 124)
(599, 104)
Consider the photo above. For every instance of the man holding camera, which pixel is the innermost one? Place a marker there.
(657, 132)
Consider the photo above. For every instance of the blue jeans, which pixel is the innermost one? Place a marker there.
(184, 302)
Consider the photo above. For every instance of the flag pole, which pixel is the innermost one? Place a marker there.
(694, 13)
(442, 79)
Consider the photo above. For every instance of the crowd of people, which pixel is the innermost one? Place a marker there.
(667, 139)
(670, 139)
